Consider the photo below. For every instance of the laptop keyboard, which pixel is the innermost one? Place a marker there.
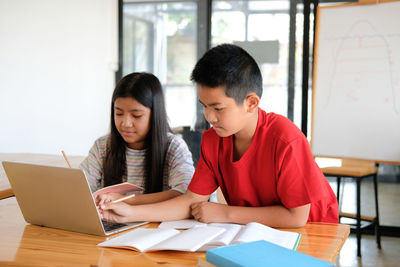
(109, 226)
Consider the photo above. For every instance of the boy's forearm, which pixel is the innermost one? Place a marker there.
(153, 197)
(173, 209)
(273, 216)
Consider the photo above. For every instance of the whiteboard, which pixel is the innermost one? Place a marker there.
(356, 82)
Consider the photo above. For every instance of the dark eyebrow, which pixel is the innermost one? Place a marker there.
(211, 105)
(132, 110)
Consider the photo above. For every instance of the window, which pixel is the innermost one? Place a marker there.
(161, 38)
(168, 37)
(265, 23)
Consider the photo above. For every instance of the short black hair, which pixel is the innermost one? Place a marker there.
(230, 66)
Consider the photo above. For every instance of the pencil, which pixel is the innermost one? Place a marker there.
(66, 159)
(122, 199)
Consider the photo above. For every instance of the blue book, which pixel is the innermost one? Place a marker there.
(261, 253)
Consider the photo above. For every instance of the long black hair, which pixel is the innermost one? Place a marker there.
(146, 89)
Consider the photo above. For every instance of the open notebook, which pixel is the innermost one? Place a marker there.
(237, 233)
(58, 198)
(201, 237)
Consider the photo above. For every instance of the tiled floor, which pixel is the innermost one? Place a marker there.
(388, 256)
(389, 199)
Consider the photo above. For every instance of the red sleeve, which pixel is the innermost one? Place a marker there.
(300, 181)
(204, 180)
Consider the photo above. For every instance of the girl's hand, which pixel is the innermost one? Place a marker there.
(115, 212)
(210, 212)
(107, 198)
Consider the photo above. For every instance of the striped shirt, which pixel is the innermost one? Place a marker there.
(178, 168)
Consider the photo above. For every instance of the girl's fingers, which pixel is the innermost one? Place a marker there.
(103, 199)
(109, 205)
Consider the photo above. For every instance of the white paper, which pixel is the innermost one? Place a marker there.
(181, 224)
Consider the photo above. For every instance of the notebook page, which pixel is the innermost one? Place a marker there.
(231, 230)
(256, 231)
(140, 239)
(189, 240)
(182, 224)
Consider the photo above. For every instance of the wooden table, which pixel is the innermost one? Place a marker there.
(22, 244)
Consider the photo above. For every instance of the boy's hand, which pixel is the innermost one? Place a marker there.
(209, 212)
(116, 212)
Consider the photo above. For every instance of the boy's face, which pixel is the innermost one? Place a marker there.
(221, 111)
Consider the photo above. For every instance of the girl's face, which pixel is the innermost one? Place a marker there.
(132, 120)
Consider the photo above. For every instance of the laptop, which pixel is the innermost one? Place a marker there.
(59, 198)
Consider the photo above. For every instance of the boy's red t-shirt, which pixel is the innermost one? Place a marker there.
(277, 169)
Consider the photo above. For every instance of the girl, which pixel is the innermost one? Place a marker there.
(140, 148)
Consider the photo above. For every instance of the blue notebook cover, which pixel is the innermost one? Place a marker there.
(261, 253)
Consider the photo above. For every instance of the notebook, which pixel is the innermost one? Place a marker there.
(261, 253)
(58, 198)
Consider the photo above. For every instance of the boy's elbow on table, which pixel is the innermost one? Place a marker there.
(299, 222)
(300, 215)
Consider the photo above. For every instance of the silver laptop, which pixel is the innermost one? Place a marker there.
(58, 198)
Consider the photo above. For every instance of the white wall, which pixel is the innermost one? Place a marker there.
(57, 63)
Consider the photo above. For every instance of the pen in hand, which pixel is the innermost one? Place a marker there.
(122, 199)
(102, 204)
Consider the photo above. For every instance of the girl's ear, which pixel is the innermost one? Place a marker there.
(252, 102)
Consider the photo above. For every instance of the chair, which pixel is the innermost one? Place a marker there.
(358, 170)
(192, 139)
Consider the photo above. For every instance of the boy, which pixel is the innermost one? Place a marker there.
(261, 161)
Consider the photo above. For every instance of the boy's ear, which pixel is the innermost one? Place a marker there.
(252, 101)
